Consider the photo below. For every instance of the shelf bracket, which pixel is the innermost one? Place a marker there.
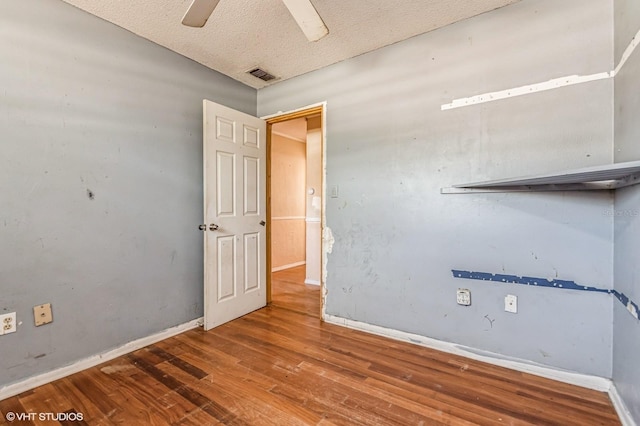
(591, 186)
(605, 177)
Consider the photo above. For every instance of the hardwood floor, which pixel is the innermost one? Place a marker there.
(289, 292)
(282, 366)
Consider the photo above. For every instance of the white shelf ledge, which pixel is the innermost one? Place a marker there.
(607, 177)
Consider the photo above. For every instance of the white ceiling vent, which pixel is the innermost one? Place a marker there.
(261, 74)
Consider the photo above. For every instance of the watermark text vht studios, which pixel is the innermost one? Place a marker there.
(71, 416)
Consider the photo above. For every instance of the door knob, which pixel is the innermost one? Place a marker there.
(213, 227)
(263, 223)
(202, 227)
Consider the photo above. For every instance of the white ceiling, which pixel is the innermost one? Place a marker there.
(244, 34)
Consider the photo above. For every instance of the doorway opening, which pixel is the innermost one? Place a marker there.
(295, 207)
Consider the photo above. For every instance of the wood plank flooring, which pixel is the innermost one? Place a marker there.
(282, 366)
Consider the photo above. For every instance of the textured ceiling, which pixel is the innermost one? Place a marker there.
(244, 34)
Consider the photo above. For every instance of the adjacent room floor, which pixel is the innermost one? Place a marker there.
(282, 366)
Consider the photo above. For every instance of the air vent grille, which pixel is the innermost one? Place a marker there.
(261, 74)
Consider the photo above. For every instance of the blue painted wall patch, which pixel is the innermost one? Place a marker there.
(631, 306)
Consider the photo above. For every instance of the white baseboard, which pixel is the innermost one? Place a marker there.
(289, 266)
(587, 381)
(50, 376)
(621, 407)
(312, 282)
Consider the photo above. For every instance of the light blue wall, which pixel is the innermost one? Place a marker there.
(626, 334)
(390, 149)
(87, 107)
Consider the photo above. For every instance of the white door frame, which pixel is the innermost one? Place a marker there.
(326, 240)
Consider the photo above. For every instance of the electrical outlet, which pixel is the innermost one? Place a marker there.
(8, 323)
(511, 303)
(42, 314)
(463, 297)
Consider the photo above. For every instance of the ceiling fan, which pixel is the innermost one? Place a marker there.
(302, 11)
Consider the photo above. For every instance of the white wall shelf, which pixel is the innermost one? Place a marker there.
(607, 177)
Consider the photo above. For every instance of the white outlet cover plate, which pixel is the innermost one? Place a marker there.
(463, 297)
(511, 303)
(9, 321)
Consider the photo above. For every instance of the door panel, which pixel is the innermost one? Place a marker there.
(252, 262)
(235, 206)
(226, 187)
(225, 130)
(251, 186)
(251, 137)
(226, 264)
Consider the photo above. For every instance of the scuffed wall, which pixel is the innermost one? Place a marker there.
(100, 184)
(390, 148)
(626, 328)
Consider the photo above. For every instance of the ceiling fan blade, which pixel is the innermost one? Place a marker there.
(307, 19)
(199, 12)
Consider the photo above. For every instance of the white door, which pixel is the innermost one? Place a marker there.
(234, 214)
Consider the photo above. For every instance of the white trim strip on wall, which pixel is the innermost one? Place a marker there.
(312, 220)
(83, 364)
(555, 83)
(289, 218)
(289, 266)
(627, 52)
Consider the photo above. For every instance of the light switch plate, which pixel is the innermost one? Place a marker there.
(42, 314)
